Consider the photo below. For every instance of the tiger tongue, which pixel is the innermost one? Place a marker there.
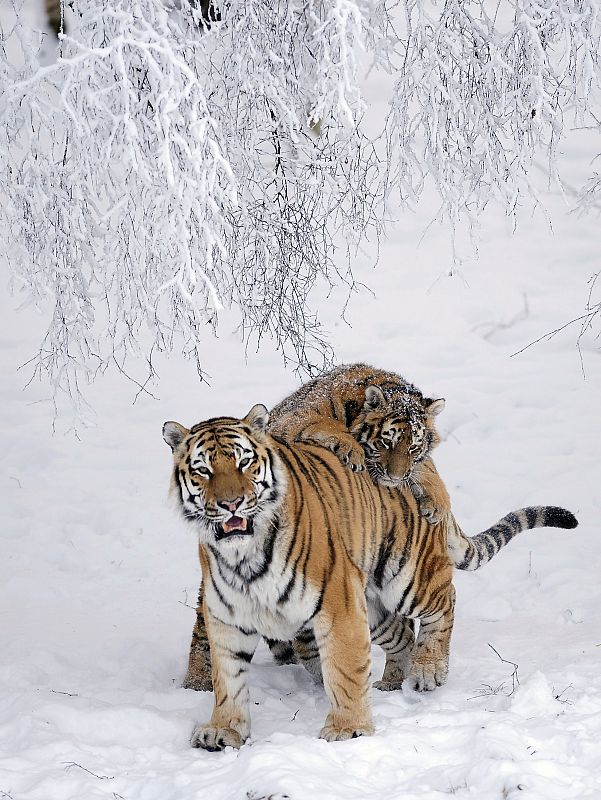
(235, 524)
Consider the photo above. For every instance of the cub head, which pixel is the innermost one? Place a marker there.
(224, 478)
(397, 433)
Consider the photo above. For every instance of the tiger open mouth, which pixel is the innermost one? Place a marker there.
(234, 526)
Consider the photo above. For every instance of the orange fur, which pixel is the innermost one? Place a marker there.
(329, 550)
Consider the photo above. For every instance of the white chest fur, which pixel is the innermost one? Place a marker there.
(275, 604)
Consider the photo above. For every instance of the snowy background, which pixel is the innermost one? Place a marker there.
(98, 577)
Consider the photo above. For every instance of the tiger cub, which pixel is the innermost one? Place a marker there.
(370, 418)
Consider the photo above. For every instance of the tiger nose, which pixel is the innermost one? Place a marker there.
(231, 505)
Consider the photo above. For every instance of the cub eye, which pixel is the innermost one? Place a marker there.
(245, 462)
(388, 438)
(203, 472)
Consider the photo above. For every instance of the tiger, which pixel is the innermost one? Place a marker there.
(291, 541)
(370, 418)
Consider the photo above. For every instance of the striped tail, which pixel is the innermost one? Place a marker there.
(473, 552)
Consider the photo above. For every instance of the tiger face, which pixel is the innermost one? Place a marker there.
(223, 477)
(396, 434)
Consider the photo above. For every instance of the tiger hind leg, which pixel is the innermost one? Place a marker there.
(396, 637)
(282, 652)
(307, 652)
(430, 658)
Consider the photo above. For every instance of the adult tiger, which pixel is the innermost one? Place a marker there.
(291, 540)
(367, 417)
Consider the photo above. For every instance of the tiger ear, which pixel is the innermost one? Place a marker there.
(174, 434)
(257, 417)
(374, 399)
(433, 407)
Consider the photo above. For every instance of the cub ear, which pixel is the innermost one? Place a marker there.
(257, 417)
(433, 407)
(374, 399)
(174, 434)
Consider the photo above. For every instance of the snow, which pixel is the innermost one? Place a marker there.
(97, 574)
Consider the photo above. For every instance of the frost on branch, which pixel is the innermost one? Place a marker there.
(286, 99)
(174, 161)
(483, 89)
(163, 169)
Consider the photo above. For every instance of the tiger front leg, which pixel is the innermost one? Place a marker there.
(342, 634)
(335, 436)
(430, 492)
(430, 659)
(198, 676)
(231, 651)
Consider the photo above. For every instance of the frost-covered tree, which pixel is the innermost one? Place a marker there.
(483, 89)
(162, 169)
(176, 160)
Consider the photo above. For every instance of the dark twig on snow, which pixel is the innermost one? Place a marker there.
(67, 694)
(560, 698)
(487, 690)
(551, 334)
(256, 796)
(515, 681)
(185, 602)
(70, 764)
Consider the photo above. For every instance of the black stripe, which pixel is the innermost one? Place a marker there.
(384, 553)
(222, 599)
(287, 589)
(267, 553)
(243, 655)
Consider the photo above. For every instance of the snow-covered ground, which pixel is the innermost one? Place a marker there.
(98, 576)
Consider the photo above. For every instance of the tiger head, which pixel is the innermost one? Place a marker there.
(397, 434)
(226, 480)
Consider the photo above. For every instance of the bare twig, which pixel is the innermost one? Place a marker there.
(70, 764)
(514, 675)
(487, 690)
(551, 334)
(559, 695)
(184, 602)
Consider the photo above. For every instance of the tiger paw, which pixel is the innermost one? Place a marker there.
(426, 677)
(214, 739)
(429, 511)
(388, 686)
(335, 733)
(351, 454)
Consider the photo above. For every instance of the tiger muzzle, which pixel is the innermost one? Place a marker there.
(234, 526)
